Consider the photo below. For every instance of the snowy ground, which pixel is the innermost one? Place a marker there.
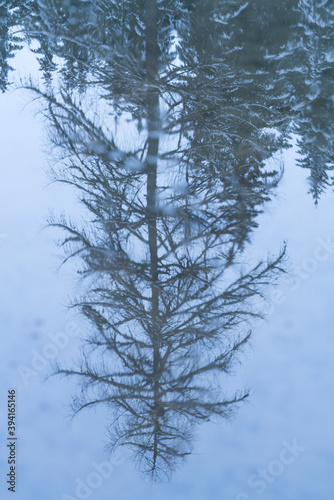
(289, 367)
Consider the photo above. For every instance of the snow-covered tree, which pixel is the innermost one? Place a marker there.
(314, 95)
(8, 41)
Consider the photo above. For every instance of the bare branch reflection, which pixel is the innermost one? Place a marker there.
(167, 142)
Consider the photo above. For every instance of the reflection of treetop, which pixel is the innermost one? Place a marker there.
(169, 159)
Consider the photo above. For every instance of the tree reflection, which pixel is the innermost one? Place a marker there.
(166, 116)
(315, 96)
(167, 314)
(278, 57)
(8, 41)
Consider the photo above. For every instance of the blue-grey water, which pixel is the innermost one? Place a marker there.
(278, 445)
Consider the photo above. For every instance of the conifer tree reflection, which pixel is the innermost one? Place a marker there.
(171, 172)
(315, 92)
(8, 41)
(278, 56)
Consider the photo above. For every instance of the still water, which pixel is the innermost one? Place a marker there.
(181, 155)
